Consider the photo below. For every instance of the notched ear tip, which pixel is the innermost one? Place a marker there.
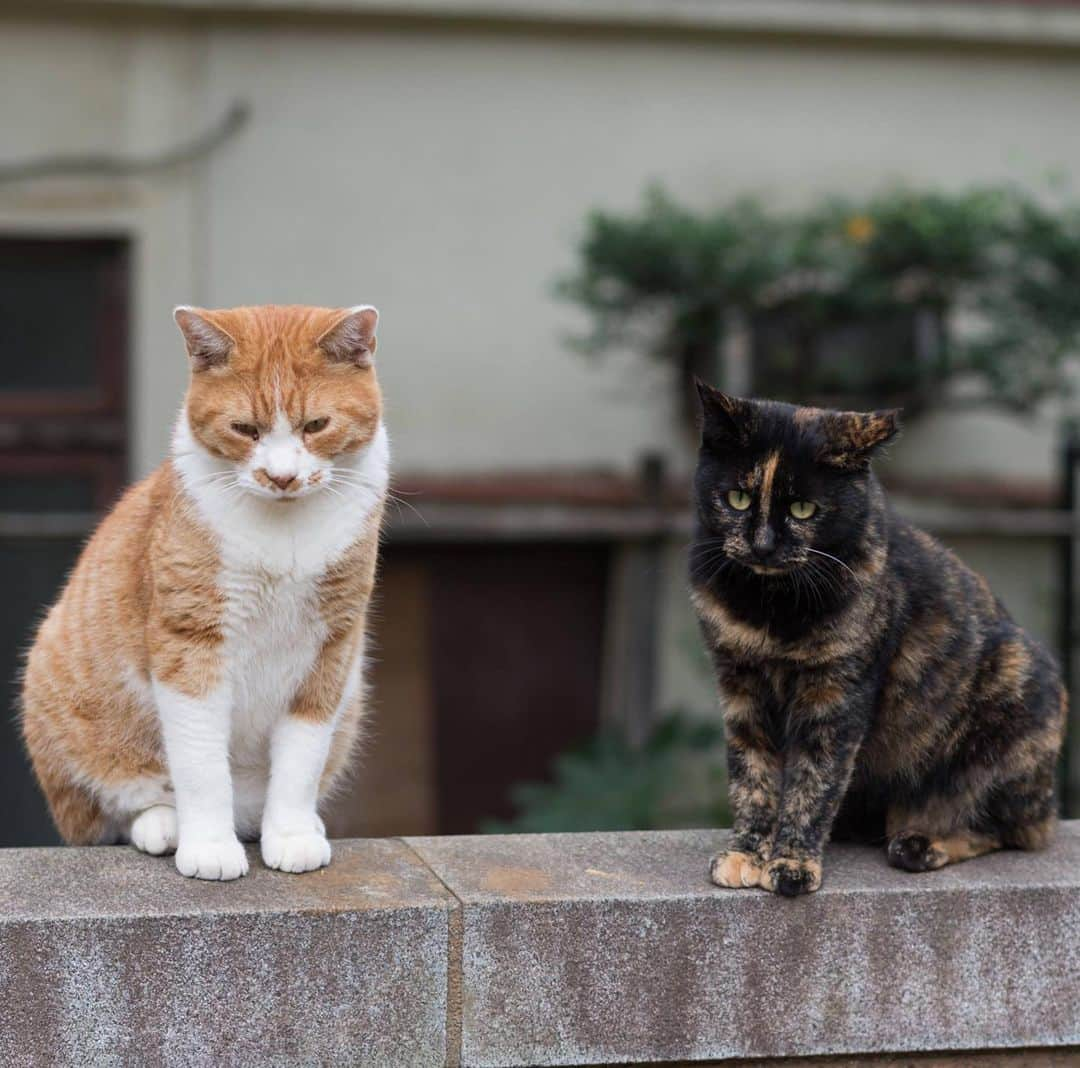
(852, 437)
(883, 425)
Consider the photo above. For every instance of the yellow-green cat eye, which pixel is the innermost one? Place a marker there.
(803, 509)
(739, 500)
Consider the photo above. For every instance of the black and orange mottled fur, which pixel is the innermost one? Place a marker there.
(873, 686)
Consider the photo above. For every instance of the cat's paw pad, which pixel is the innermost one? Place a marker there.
(734, 869)
(296, 853)
(915, 852)
(220, 859)
(789, 877)
(154, 830)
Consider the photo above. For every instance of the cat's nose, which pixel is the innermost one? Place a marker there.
(283, 482)
(764, 544)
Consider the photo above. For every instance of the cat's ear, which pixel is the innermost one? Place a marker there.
(724, 419)
(850, 438)
(207, 344)
(352, 338)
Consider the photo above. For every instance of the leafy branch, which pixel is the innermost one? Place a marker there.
(897, 293)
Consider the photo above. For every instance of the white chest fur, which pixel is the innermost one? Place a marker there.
(273, 558)
(273, 633)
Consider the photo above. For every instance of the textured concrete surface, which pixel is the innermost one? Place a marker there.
(108, 957)
(592, 949)
(535, 950)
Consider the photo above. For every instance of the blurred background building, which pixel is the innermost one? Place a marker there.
(439, 159)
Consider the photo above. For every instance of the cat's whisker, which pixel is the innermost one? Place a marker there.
(211, 477)
(215, 479)
(717, 545)
(835, 559)
(823, 583)
(699, 556)
(349, 477)
(703, 555)
(723, 563)
(398, 501)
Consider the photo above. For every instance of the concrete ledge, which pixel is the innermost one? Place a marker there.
(607, 948)
(111, 958)
(530, 950)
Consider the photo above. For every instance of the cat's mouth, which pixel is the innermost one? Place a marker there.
(769, 569)
(277, 496)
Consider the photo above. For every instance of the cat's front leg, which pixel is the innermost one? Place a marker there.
(196, 735)
(293, 836)
(753, 782)
(825, 727)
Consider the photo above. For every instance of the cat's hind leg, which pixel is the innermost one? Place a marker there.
(77, 813)
(144, 810)
(153, 830)
(1013, 815)
(994, 785)
(916, 851)
(939, 827)
(1025, 813)
(1023, 810)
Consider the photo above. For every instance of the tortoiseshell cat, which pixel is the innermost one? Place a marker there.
(873, 686)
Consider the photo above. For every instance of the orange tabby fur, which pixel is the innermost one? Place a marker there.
(145, 601)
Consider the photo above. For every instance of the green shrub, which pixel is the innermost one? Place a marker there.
(675, 779)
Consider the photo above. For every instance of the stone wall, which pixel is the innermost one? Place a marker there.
(535, 950)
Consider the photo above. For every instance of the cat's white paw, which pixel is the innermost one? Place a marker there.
(221, 859)
(154, 830)
(305, 851)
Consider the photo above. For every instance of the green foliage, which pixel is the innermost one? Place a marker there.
(991, 273)
(675, 779)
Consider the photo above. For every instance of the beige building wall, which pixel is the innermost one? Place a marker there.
(443, 172)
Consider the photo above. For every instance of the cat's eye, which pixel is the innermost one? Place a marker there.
(315, 425)
(247, 430)
(739, 500)
(803, 509)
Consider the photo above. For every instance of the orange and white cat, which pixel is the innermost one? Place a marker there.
(200, 679)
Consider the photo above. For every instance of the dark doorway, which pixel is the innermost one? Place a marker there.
(516, 661)
(487, 661)
(63, 369)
